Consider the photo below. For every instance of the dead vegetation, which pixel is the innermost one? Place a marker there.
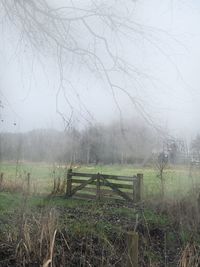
(20, 184)
(31, 241)
(95, 234)
(38, 240)
(190, 255)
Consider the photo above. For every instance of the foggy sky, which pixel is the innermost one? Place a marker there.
(28, 88)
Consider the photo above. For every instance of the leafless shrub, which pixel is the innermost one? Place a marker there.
(160, 164)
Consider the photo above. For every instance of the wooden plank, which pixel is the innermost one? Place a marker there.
(116, 190)
(88, 189)
(106, 176)
(82, 174)
(104, 192)
(118, 177)
(80, 181)
(111, 193)
(81, 186)
(125, 186)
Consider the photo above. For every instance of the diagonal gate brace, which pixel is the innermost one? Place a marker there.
(84, 184)
(115, 189)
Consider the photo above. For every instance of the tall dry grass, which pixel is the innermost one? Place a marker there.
(190, 255)
(34, 239)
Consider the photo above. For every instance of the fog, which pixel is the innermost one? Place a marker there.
(166, 80)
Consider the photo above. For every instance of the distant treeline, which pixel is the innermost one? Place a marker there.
(109, 144)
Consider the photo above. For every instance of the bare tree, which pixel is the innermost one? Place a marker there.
(59, 29)
(161, 163)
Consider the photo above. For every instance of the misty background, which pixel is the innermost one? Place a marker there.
(165, 54)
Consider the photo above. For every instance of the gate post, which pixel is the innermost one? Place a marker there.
(1, 180)
(132, 243)
(69, 183)
(138, 188)
(98, 194)
(28, 182)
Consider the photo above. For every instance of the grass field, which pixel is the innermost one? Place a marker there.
(164, 229)
(178, 179)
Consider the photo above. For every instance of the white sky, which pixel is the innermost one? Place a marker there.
(172, 98)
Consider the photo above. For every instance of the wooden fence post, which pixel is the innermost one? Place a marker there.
(1, 180)
(138, 192)
(98, 193)
(28, 183)
(69, 183)
(58, 185)
(132, 242)
(54, 182)
(134, 187)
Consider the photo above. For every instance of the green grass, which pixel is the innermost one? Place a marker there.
(177, 180)
(103, 219)
(89, 216)
(8, 202)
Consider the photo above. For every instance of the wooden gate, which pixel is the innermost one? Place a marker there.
(104, 185)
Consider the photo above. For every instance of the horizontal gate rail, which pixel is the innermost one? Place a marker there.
(106, 176)
(102, 183)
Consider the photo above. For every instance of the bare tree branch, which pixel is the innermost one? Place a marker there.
(83, 33)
